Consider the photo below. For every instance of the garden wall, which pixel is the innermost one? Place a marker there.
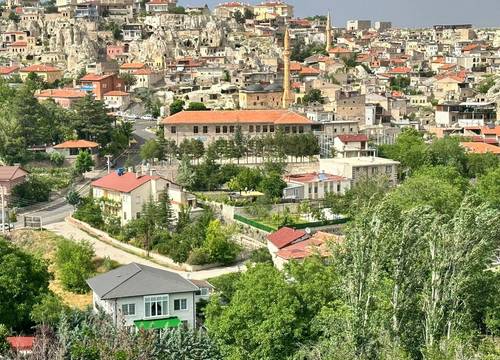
(158, 258)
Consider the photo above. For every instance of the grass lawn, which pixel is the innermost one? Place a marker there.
(44, 244)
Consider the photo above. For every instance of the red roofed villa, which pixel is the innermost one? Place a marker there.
(70, 149)
(47, 72)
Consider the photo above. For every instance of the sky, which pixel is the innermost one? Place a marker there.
(402, 13)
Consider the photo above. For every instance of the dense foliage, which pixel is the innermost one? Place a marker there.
(26, 122)
(74, 264)
(24, 282)
(412, 279)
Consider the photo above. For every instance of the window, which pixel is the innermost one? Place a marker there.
(224, 129)
(231, 128)
(180, 304)
(128, 309)
(338, 187)
(250, 128)
(287, 129)
(294, 129)
(301, 129)
(217, 129)
(173, 129)
(156, 306)
(205, 129)
(264, 128)
(388, 169)
(257, 128)
(204, 291)
(271, 128)
(195, 129)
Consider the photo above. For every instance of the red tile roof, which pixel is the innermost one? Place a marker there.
(77, 144)
(352, 138)
(400, 70)
(487, 131)
(132, 66)
(39, 68)
(19, 44)
(317, 244)
(309, 71)
(8, 173)
(95, 77)
(491, 141)
(142, 72)
(481, 148)
(6, 70)
(278, 117)
(125, 183)
(285, 236)
(117, 93)
(21, 342)
(61, 93)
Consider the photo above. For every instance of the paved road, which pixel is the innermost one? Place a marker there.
(103, 249)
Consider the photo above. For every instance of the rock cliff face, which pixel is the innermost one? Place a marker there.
(71, 39)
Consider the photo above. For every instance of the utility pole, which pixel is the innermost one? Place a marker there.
(2, 195)
(108, 158)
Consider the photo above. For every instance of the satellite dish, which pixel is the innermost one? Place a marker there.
(307, 230)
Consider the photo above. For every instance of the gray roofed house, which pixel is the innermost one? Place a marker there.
(146, 297)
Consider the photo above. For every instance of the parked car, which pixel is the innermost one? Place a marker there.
(148, 117)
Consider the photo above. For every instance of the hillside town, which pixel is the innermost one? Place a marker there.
(240, 181)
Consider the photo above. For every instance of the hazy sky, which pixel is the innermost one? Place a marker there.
(411, 13)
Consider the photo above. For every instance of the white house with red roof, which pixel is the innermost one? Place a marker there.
(351, 145)
(314, 185)
(125, 193)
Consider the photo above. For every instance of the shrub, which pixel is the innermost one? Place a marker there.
(32, 191)
(89, 212)
(49, 310)
(261, 255)
(198, 257)
(56, 158)
(74, 264)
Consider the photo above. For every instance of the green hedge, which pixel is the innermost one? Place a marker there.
(253, 223)
(267, 228)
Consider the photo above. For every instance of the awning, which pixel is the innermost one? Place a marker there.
(158, 324)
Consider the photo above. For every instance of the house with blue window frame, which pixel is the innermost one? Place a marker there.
(145, 297)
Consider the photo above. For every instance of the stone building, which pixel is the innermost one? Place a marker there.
(208, 126)
(258, 97)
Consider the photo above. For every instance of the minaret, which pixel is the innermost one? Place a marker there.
(287, 95)
(328, 33)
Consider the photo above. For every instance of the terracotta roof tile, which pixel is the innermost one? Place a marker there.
(285, 236)
(277, 117)
(61, 93)
(76, 144)
(11, 172)
(124, 183)
(352, 138)
(132, 66)
(481, 148)
(6, 70)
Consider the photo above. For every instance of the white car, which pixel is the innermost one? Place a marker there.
(148, 117)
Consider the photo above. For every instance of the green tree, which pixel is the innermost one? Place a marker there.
(447, 151)
(248, 179)
(49, 310)
(74, 262)
(480, 164)
(218, 245)
(174, 343)
(409, 149)
(24, 280)
(32, 191)
(176, 106)
(313, 96)
(73, 198)
(260, 320)
(90, 212)
(272, 185)
(196, 106)
(149, 150)
(83, 162)
(91, 120)
(488, 187)
(129, 80)
(185, 173)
